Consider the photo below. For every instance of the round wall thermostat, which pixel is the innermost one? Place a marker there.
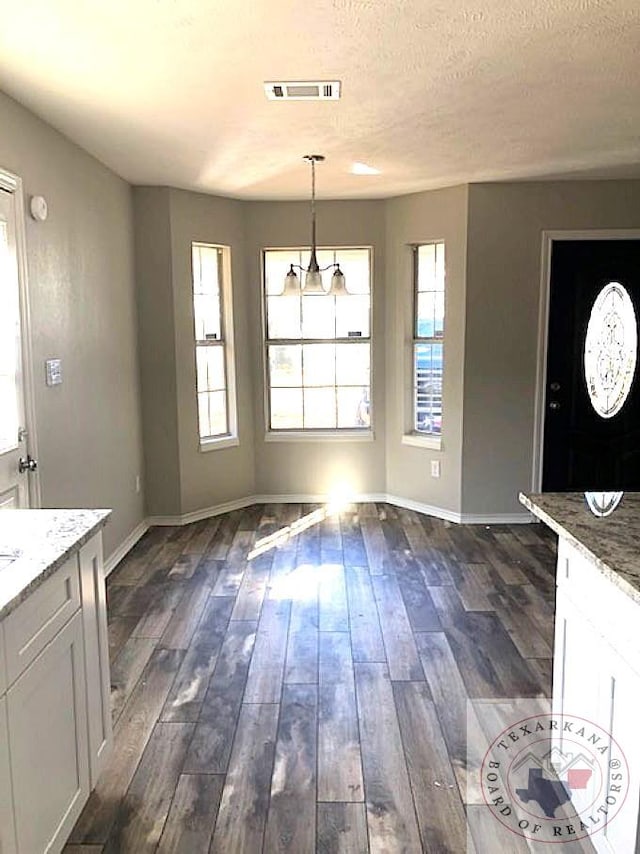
(38, 208)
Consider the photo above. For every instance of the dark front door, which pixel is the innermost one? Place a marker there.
(592, 417)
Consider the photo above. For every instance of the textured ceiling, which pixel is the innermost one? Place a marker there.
(435, 92)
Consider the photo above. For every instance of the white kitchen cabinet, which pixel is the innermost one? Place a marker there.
(96, 645)
(7, 827)
(55, 721)
(47, 721)
(597, 677)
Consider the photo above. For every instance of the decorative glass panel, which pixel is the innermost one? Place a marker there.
(610, 350)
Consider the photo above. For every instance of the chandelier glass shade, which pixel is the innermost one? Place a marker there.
(313, 274)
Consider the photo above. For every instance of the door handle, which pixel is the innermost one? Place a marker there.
(27, 464)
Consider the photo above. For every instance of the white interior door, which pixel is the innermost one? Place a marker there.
(14, 483)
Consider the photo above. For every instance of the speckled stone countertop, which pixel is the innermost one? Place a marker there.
(612, 542)
(34, 543)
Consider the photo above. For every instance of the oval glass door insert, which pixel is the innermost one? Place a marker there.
(610, 350)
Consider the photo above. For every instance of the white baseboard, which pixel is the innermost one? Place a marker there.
(420, 507)
(205, 513)
(306, 498)
(524, 518)
(365, 497)
(116, 556)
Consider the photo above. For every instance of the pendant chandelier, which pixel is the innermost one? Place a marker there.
(313, 273)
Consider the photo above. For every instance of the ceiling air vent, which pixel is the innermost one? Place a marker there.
(310, 90)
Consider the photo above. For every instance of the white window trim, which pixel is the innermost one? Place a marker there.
(412, 437)
(231, 438)
(218, 443)
(423, 440)
(333, 434)
(329, 435)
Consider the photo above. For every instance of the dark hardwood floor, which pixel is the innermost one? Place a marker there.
(288, 681)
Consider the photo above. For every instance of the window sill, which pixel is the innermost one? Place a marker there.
(220, 444)
(319, 436)
(417, 440)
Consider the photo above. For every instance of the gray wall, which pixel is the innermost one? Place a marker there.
(211, 477)
(506, 222)
(156, 335)
(81, 282)
(436, 215)
(318, 467)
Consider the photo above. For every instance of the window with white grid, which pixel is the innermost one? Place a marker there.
(212, 321)
(428, 338)
(317, 346)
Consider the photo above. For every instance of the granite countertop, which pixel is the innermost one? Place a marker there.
(611, 542)
(34, 543)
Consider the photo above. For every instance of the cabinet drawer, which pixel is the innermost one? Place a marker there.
(37, 620)
(613, 614)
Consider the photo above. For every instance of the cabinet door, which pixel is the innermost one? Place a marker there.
(47, 717)
(96, 645)
(593, 681)
(577, 682)
(7, 827)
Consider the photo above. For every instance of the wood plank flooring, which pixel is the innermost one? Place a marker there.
(288, 681)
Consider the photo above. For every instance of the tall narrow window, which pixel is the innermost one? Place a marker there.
(318, 347)
(428, 338)
(212, 317)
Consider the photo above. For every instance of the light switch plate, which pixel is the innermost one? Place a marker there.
(53, 368)
(435, 468)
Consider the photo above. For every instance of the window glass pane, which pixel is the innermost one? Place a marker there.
(286, 408)
(319, 364)
(427, 279)
(352, 315)
(209, 282)
(277, 263)
(206, 309)
(283, 315)
(439, 314)
(428, 387)
(425, 318)
(204, 423)
(318, 316)
(439, 272)
(285, 365)
(212, 411)
(352, 364)
(319, 407)
(354, 407)
(210, 368)
(354, 263)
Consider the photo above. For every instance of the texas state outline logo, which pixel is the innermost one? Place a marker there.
(554, 778)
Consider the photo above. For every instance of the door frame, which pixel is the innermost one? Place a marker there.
(548, 239)
(13, 184)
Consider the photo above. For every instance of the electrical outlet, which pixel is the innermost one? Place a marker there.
(435, 468)
(138, 483)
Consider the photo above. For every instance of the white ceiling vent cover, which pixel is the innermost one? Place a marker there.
(309, 90)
